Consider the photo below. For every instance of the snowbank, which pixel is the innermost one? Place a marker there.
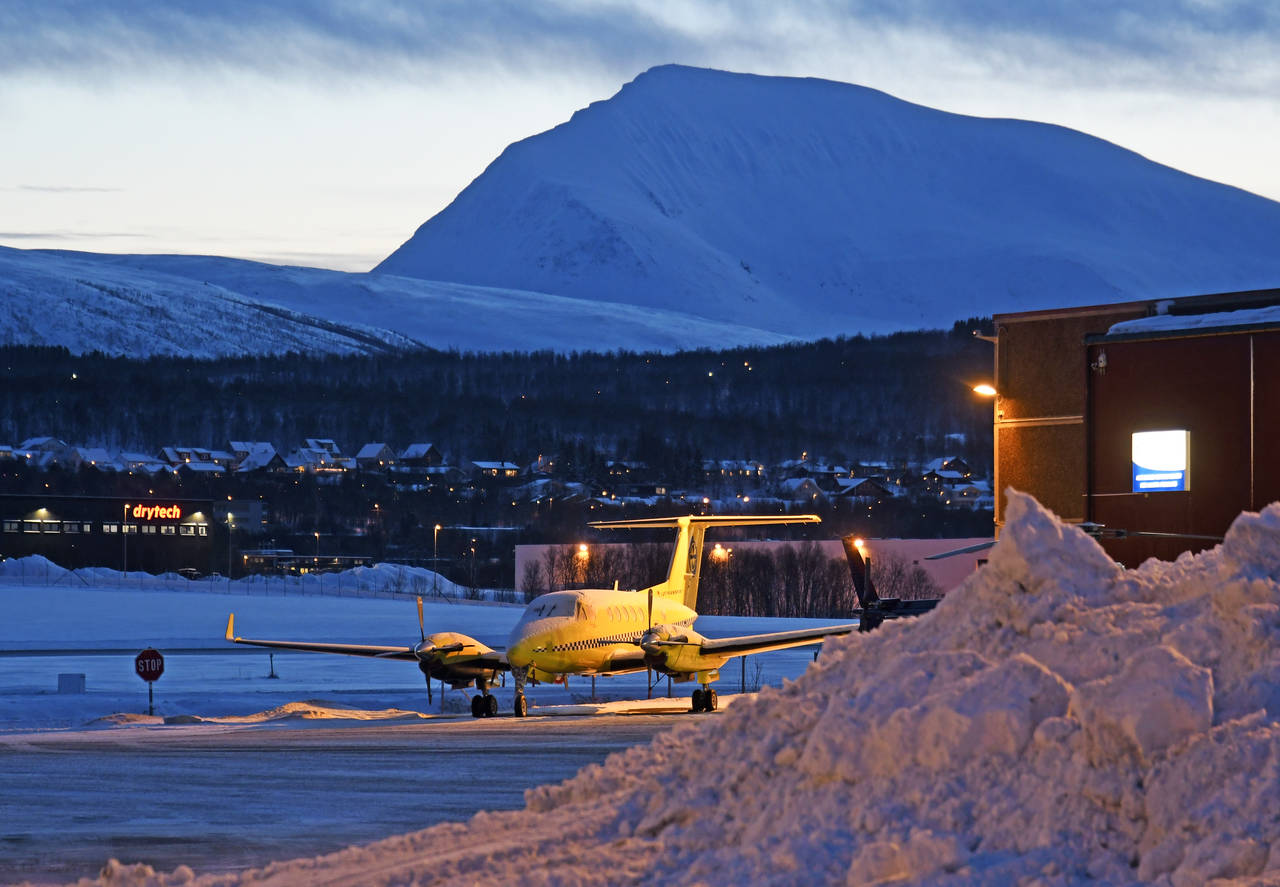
(1057, 720)
(381, 578)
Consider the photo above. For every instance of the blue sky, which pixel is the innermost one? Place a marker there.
(323, 133)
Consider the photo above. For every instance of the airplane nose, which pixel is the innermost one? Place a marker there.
(424, 649)
(520, 653)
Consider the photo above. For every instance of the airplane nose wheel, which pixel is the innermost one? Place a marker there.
(521, 706)
(705, 700)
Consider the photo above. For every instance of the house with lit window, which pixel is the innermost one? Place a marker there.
(373, 456)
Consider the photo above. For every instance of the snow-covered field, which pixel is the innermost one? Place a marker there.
(235, 768)
(1058, 720)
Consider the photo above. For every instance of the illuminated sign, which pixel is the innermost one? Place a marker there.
(1161, 461)
(157, 512)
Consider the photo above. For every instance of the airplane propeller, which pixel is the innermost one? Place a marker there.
(418, 651)
(426, 651)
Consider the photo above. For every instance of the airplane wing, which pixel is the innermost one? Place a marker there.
(778, 640)
(315, 647)
(492, 659)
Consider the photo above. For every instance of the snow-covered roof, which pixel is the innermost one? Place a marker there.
(1268, 316)
(200, 467)
(260, 456)
(417, 450)
(371, 451)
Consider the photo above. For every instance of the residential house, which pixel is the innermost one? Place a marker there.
(324, 443)
(489, 472)
(97, 457)
(862, 488)
(421, 455)
(373, 456)
(44, 452)
(949, 463)
(261, 456)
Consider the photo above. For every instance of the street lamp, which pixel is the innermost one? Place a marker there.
(473, 565)
(231, 525)
(124, 544)
(317, 535)
(435, 560)
(985, 390)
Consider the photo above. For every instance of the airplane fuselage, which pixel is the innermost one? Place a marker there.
(586, 631)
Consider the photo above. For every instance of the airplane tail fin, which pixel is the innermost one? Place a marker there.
(681, 583)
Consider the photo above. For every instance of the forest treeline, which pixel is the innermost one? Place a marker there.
(844, 399)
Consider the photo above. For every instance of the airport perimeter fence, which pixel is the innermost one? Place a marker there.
(383, 583)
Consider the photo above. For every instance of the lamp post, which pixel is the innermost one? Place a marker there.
(435, 561)
(231, 525)
(124, 544)
(473, 565)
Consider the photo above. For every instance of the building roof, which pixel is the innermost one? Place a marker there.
(1158, 323)
(417, 450)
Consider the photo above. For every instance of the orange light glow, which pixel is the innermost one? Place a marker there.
(985, 390)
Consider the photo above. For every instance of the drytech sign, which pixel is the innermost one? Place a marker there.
(156, 512)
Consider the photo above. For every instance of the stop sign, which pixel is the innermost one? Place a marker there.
(149, 665)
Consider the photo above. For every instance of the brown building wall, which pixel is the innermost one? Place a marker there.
(1223, 390)
(1063, 423)
(1042, 376)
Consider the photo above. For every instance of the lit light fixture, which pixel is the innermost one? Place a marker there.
(985, 390)
(859, 544)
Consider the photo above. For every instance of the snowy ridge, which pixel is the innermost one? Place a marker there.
(814, 208)
(200, 306)
(1057, 720)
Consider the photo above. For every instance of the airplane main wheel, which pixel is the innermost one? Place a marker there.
(521, 706)
(698, 700)
(477, 706)
(490, 706)
(710, 700)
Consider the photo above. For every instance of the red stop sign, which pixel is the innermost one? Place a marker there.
(149, 665)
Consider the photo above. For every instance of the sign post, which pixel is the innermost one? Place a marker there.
(149, 665)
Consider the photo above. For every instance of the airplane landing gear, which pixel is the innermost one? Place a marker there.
(705, 699)
(521, 707)
(484, 705)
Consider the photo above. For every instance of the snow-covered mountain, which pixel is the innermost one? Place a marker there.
(811, 207)
(204, 307)
(701, 208)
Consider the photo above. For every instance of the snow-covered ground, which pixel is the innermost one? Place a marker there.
(1057, 720)
(236, 768)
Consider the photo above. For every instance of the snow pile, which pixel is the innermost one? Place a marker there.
(382, 578)
(1057, 720)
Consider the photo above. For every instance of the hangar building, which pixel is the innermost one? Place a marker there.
(1151, 417)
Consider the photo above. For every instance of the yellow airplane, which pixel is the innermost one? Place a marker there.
(596, 631)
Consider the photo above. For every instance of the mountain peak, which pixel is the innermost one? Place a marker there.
(812, 207)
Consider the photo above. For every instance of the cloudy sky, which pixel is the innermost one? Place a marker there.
(323, 132)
